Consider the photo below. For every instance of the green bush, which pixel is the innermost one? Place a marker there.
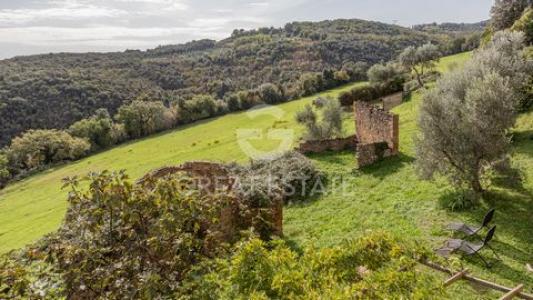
(99, 130)
(123, 241)
(142, 118)
(525, 24)
(367, 93)
(328, 127)
(5, 174)
(37, 148)
(373, 267)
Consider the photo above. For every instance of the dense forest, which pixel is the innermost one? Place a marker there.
(56, 90)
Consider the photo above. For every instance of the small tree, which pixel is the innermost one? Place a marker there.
(464, 121)
(98, 129)
(329, 127)
(141, 118)
(419, 60)
(383, 73)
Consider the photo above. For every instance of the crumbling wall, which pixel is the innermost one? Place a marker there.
(391, 101)
(368, 154)
(328, 145)
(374, 125)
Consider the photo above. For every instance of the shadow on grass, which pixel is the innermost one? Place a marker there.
(513, 232)
(388, 166)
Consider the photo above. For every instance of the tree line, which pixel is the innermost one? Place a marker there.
(55, 90)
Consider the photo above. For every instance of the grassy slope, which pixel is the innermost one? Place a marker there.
(386, 196)
(36, 205)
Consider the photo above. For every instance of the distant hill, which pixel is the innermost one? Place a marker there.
(453, 27)
(55, 90)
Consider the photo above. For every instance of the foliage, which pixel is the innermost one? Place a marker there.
(506, 12)
(121, 240)
(384, 73)
(373, 267)
(525, 24)
(270, 94)
(292, 174)
(5, 175)
(26, 274)
(99, 130)
(55, 91)
(465, 120)
(142, 118)
(330, 125)
(371, 92)
(37, 148)
(418, 60)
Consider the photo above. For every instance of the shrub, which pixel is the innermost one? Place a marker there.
(142, 118)
(121, 240)
(373, 267)
(5, 175)
(330, 126)
(367, 93)
(98, 130)
(233, 101)
(198, 108)
(525, 24)
(37, 148)
(270, 94)
(384, 73)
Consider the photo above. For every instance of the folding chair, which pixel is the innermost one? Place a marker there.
(470, 230)
(468, 248)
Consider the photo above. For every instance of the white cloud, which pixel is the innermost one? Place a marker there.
(61, 10)
(103, 36)
(167, 5)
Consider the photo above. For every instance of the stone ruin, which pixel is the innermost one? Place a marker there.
(377, 135)
(320, 146)
(391, 101)
(216, 179)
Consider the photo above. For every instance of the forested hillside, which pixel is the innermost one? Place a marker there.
(55, 90)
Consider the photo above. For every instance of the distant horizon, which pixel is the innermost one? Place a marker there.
(222, 38)
(29, 27)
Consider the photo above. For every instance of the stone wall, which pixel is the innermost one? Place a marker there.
(368, 154)
(391, 101)
(374, 125)
(328, 145)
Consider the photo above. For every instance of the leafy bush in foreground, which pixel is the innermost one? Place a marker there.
(125, 241)
(372, 267)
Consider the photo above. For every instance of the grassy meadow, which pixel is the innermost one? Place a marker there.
(386, 196)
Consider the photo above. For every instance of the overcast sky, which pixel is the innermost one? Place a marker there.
(42, 26)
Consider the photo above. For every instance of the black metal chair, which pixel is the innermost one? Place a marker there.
(470, 230)
(468, 248)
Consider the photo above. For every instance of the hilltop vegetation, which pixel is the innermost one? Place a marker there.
(56, 90)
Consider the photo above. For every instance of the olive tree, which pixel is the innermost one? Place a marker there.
(506, 12)
(464, 122)
(419, 60)
(328, 127)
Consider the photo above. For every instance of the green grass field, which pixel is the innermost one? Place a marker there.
(386, 196)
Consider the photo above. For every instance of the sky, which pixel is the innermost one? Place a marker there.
(44, 26)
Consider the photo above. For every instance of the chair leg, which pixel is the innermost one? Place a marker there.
(484, 261)
(494, 251)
